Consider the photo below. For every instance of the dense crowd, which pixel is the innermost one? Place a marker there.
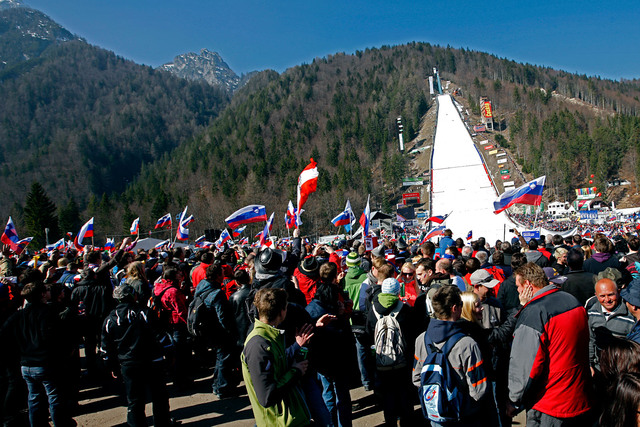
(474, 333)
(546, 221)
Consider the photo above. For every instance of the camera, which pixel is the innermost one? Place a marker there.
(512, 230)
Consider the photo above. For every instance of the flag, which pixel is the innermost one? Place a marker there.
(343, 218)
(224, 237)
(244, 241)
(57, 245)
(161, 244)
(265, 232)
(587, 234)
(134, 229)
(22, 244)
(183, 232)
(290, 216)
(352, 216)
(247, 215)
(10, 235)
(470, 235)
(307, 184)
(436, 231)
(527, 194)
(438, 219)
(365, 218)
(85, 231)
(70, 234)
(164, 221)
(199, 241)
(187, 221)
(238, 231)
(110, 244)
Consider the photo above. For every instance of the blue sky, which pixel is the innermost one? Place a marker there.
(588, 37)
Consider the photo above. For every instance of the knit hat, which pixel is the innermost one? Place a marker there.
(123, 292)
(390, 286)
(353, 260)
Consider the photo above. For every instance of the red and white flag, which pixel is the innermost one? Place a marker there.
(307, 184)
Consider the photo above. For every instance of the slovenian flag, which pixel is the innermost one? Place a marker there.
(164, 221)
(307, 184)
(57, 245)
(10, 236)
(352, 216)
(224, 237)
(527, 194)
(134, 229)
(22, 244)
(244, 241)
(247, 215)
(162, 244)
(199, 241)
(183, 232)
(187, 221)
(85, 231)
(343, 218)
(470, 235)
(438, 219)
(290, 216)
(265, 232)
(110, 244)
(365, 218)
(436, 231)
(238, 231)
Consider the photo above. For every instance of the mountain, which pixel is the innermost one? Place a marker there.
(208, 66)
(341, 110)
(82, 121)
(26, 33)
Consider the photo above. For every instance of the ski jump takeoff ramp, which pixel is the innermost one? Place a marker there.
(460, 183)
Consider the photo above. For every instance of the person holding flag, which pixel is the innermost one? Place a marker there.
(307, 184)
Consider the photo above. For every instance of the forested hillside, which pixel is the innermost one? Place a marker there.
(81, 120)
(341, 110)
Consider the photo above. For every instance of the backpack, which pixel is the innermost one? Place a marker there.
(389, 343)
(440, 398)
(157, 309)
(199, 315)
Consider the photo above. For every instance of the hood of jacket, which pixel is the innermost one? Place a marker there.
(441, 330)
(601, 256)
(385, 303)
(205, 286)
(161, 285)
(533, 256)
(354, 273)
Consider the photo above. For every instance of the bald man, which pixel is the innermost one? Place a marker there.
(608, 317)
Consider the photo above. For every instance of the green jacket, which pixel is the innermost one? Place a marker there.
(352, 281)
(271, 384)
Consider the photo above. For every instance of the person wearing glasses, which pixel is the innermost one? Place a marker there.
(409, 290)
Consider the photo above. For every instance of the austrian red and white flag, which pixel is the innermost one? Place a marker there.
(307, 184)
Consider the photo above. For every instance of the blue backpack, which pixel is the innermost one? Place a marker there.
(440, 398)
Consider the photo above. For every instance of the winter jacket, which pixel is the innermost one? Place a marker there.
(129, 338)
(599, 262)
(308, 285)
(618, 324)
(580, 284)
(223, 325)
(549, 362)
(444, 243)
(38, 332)
(465, 357)
(141, 288)
(493, 314)
(198, 274)
(385, 304)
(508, 293)
(238, 303)
(96, 297)
(172, 300)
(270, 380)
(634, 335)
(353, 283)
(537, 257)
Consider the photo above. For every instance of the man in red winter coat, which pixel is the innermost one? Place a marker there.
(200, 271)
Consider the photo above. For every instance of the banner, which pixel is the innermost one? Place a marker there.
(408, 182)
(584, 215)
(485, 107)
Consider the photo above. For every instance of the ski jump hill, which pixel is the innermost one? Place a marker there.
(460, 184)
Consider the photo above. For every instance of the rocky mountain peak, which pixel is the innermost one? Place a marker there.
(207, 65)
(10, 4)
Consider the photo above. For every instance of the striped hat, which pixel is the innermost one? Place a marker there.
(390, 286)
(353, 260)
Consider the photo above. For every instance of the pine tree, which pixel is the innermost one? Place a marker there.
(39, 214)
(69, 217)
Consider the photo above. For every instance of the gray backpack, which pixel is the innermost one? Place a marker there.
(389, 343)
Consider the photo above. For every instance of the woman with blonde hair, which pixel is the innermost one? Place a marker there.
(137, 279)
(471, 307)
(409, 289)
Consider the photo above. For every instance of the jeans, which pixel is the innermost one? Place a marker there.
(364, 363)
(137, 377)
(335, 392)
(396, 392)
(43, 385)
(315, 402)
(224, 380)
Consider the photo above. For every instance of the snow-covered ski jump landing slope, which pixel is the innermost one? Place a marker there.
(460, 182)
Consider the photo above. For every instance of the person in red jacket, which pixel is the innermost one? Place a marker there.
(175, 303)
(306, 277)
(200, 271)
(549, 372)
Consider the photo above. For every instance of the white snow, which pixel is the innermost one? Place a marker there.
(460, 183)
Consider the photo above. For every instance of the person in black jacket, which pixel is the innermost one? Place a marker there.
(131, 346)
(238, 302)
(38, 331)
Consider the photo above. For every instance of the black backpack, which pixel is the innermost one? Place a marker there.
(199, 317)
